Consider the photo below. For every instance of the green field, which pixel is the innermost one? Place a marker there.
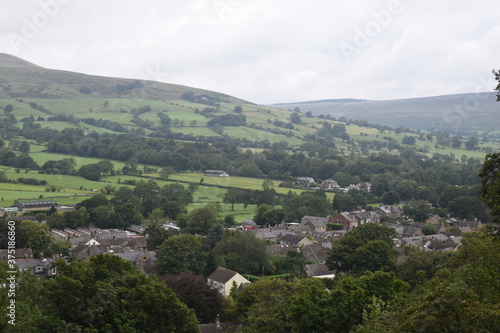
(239, 212)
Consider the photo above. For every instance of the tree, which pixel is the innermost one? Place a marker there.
(295, 118)
(463, 207)
(201, 220)
(166, 172)
(241, 252)
(367, 247)
(490, 184)
(95, 201)
(471, 143)
(265, 215)
(24, 147)
(419, 267)
(238, 109)
(77, 218)
(406, 188)
(343, 202)
(102, 217)
(233, 196)
(418, 210)
(104, 292)
(456, 142)
(409, 140)
(194, 291)
(90, 172)
(33, 235)
(171, 209)
(497, 88)
(179, 254)
(306, 204)
(8, 108)
(125, 215)
(57, 221)
(391, 198)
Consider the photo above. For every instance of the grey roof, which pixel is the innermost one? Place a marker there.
(33, 203)
(24, 253)
(315, 220)
(318, 270)
(315, 251)
(294, 239)
(222, 275)
(278, 249)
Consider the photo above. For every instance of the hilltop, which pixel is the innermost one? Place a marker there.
(22, 79)
(460, 113)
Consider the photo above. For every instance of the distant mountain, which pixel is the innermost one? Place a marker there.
(339, 100)
(20, 78)
(461, 113)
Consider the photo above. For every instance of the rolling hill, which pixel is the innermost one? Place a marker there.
(22, 79)
(461, 113)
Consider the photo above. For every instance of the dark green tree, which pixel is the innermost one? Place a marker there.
(418, 210)
(194, 291)
(179, 254)
(104, 293)
(200, 220)
(241, 252)
(463, 207)
(343, 202)
(233, 196)
(490, 184)
(391, 198)
(367, 247)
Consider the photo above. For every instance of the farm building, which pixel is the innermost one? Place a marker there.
(35, 205)
(216, 173)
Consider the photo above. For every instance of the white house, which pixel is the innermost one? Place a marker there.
(223, 279)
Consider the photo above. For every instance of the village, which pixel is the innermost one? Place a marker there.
(310, 239)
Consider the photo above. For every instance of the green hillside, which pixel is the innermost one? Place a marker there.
(462, 113)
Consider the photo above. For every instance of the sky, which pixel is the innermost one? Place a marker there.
(267, 52)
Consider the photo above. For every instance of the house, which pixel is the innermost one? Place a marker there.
(315, 223)
(18, 254)
(307, 181)
(37, 267)
(295, 241)
(83, 240)
(365, 187)
(314, 253)
(348, 219)
(440, 245)
(216, 173)
(8, 211)
(329, 185)
(278, 250)
(391, 211)
(412, 231)
(223, 279)
(144, 261)
(364, 216)
(319, 271)
(35, 205)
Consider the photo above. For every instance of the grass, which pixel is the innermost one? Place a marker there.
(235, 181)
(42, 157)
(239, 212)
(195, 131)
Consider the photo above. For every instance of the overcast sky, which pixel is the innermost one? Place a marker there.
(267, 51)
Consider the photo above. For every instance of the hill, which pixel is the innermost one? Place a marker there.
(22, 79)
(461, 113)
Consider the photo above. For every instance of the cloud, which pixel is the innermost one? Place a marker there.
(266, 51)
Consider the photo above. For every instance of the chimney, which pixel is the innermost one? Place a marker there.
(217, 321)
